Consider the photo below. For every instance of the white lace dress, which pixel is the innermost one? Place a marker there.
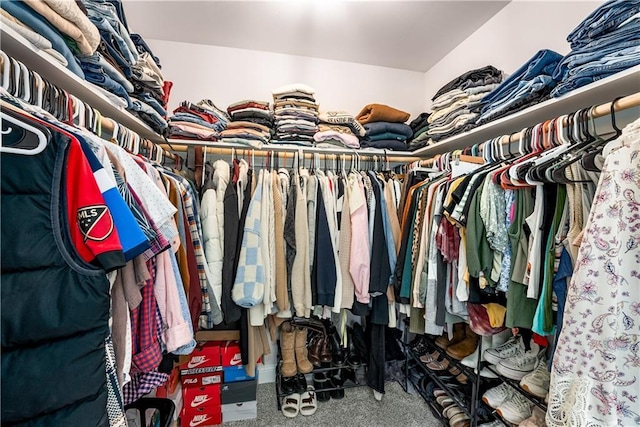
(595, 377)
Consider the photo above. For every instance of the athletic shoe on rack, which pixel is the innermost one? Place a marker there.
(535, 420)
(495, 423)
(515, 410)
(494, 397)
(537, 382)
(520, 365)
(512, 348)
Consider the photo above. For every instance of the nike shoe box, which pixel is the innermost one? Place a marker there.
(230, 353)
(203, 379)
(237, 392)
(202, 417)
(201, 406)
(236, 373)
(239, 411)
(204, 358)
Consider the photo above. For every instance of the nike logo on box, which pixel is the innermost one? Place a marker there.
(200, 400)
(237, 360)
(198, 420)
(197, 361)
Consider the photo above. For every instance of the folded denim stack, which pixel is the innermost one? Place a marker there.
(456, 106)
(529, 85)
(384, 127)
(605, 43)
(419, 126)
(202, 121)
(296, 115)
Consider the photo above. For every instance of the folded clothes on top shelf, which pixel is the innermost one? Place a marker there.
(295, 114)
(336, 135)
(478, 77)
(381, 113)
(342, 118)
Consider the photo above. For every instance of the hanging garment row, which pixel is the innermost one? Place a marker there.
(95, 208)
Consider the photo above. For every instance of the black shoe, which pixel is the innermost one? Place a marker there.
(321, 383)
(300, 383)
(338, 354)
(287, 385)
(336, 382)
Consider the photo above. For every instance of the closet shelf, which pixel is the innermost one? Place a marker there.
(620, 84)
(18, 47)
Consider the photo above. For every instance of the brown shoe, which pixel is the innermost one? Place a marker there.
(458, 335)
(304, 366)
(465, 347)
(287, 349)
(315, 346)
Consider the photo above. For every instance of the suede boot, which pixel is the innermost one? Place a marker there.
(465, 347)
(304, 366)
(458, 335)
(287, 350)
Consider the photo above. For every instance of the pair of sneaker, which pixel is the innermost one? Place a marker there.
(512, 360)
(510, 404)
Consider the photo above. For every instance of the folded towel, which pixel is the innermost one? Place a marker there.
(381, 113)
(376, 128)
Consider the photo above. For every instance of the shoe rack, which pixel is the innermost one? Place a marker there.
(516, 386)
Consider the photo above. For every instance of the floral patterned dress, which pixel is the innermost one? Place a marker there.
(595, 377)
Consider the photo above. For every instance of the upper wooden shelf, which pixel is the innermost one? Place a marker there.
(16, 46)
(599, 92)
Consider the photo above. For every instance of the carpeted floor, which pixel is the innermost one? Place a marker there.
(357, 409)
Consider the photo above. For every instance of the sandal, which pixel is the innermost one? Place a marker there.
(308, 402)
(291, 405)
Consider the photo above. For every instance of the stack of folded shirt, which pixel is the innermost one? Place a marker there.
(329, 135)
(296, 115)
(529, 85)
(419, 126)
(201, 121)
(251, 123)
(384, 127)
(456, 106)
(605, 43)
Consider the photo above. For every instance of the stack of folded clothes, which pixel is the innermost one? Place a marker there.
(419, 126)
(296, 115)
(251, 123)
(203, 121)
(529, 85)
(456, 106)
(605, 43)
(338, 128)
(385, 127)
(92, 40)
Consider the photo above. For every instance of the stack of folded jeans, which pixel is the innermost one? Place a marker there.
(330, 135)
(250, 124)
(419, 126)
(296, 115)
(529, 85)
(605, 43)
(197, 121)
(385, 127)
(456, 106)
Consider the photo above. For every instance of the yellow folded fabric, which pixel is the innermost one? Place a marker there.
(496, 313)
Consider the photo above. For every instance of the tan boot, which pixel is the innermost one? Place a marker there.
(304, 366)
(458, 335)
(287, 349)
(465, 347)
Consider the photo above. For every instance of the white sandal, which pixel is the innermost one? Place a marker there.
(291, 405)
(308, 402)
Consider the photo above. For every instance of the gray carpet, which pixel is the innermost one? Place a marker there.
(357, 409)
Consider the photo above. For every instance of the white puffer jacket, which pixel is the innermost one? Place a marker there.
(212, 216)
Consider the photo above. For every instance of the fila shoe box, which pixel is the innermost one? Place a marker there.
(201, 406)
(239, 400)
(202, 367)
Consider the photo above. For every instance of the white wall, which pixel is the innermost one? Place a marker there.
(226, 75)
(511, 38)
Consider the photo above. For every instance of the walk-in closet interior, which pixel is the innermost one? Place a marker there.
(320, 212)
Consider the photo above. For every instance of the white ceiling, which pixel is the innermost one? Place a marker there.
(410, 35)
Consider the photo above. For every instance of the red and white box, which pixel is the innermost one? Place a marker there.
(201, 406)
(202, 417)
(230, 353)
(203, 379)
(204, 358)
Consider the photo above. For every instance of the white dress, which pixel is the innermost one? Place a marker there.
(595, 377)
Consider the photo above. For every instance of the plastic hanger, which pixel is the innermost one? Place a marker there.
(20, 137)
(588, 161)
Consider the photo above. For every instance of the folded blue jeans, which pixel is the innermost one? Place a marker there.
(543, 62)
(218, 127)
(113, 52)
(524, 89)
(152, 102)
(110, 35)
(96, 75)
(591, 75)
(98, 59)
(143, 107)
(40, 25)
(142, 46)
(105, 9)
(603, 20)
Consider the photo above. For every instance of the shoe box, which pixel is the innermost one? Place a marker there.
(201, 405)
(204, 359)
(231, 358)
(202, 417)
(239, 400)
(236, 373)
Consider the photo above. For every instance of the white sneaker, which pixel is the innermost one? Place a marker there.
(495, 423)
(494, 397)
(518, 366)
(537, 382)
(515, 410)
(512, 348)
